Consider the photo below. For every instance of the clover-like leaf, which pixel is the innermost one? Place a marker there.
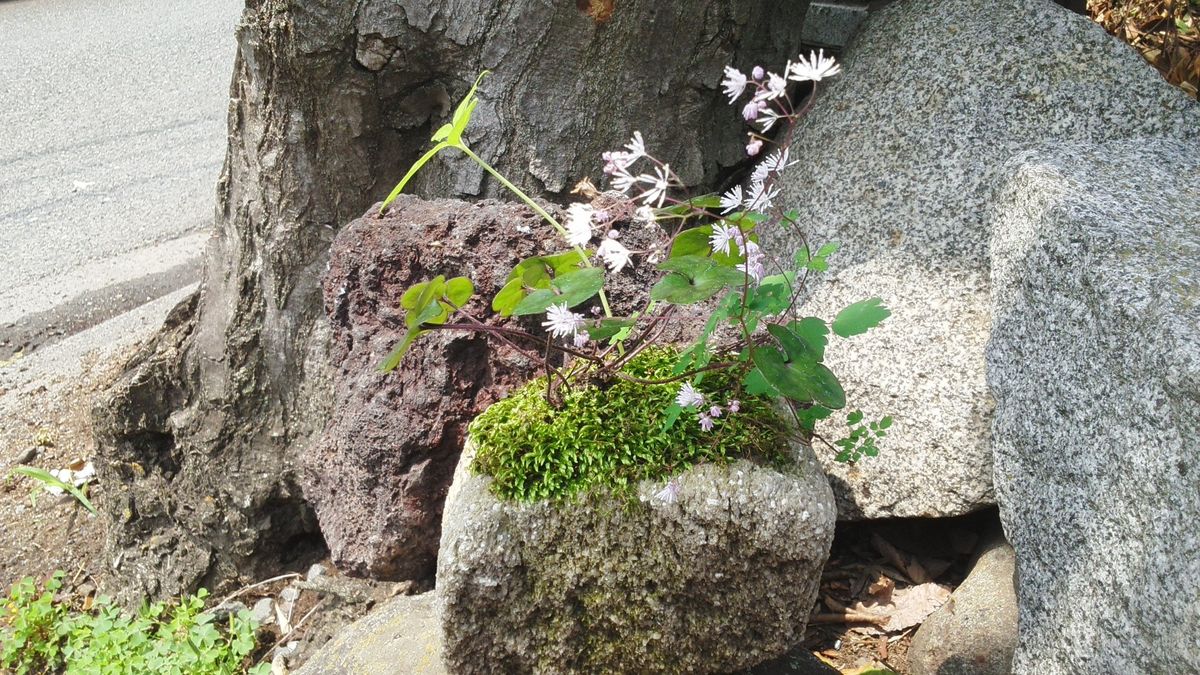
(860, 317)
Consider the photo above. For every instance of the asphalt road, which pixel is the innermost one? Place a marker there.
(112, 134)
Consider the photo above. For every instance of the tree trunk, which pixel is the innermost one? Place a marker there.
(331, 101)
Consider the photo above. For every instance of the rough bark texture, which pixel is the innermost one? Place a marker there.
(330, 102)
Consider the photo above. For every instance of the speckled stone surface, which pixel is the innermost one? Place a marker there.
(1095, 364)
(975, 633)
(720, 579)
(897, 162)
(403, 635)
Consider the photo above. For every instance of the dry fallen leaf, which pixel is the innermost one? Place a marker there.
(908, 607)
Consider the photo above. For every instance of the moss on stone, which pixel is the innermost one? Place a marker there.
(612, 436)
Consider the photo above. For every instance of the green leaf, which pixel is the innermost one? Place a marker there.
(462, 114)
(814, 331)
(860, 317)
(609, 328)
(854, 417)
(48, 479)
(507, 298)
(419, 298)
(885, 422)
(412, 171)
(802, 381)
(459, 290)
(670, 415)
(796, 347)
(693, 279)
(693, 242)
(769, 298)
(756, 384)
(570, 289)
(680, 290)
(817, 262)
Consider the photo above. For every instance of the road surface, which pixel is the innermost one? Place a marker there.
(112, 134)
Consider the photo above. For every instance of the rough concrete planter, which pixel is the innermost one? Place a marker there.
(719, 578)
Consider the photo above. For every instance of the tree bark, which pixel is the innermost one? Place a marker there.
(330, 103)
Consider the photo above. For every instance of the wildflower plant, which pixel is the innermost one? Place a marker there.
(708, 253)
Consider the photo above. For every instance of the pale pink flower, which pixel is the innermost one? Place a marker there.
(753, 146)
(757, 73)
(659, 183)
(614, 254)
(715, 411)
(722, 236)
(732, 200)
(773, 163)
(645, 214)
(579, 224)
(669, 493)
(752, 109)
(734, 83)
(623, 180)
(815, 67)
(761, 197)
(616, 162)
(688, 396)
(706, 422)
(776, 87)
(636, 146)
(753, 266)
(581, 339)
(734, 405)
(768, 119)
(562, 322)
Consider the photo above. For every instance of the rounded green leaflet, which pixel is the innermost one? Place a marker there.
(569, 289)
(459, 290)
(692, 279)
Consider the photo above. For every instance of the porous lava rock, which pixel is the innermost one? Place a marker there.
(718, 578)
(379, 473)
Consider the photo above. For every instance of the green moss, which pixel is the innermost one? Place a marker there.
(612, 437)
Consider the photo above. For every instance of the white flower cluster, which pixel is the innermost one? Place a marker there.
(617, 163)
(580, 218)
(688, 397)
(769, 88)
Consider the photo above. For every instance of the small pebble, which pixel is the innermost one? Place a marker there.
(264, 611)
(317, 570)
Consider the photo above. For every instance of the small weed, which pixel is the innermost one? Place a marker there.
(40, 633)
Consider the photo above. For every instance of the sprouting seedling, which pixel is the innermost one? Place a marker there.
(50, 481)
(451, 136)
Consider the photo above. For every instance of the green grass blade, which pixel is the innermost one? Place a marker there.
(49, 480)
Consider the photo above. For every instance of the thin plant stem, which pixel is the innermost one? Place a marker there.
(538, 210)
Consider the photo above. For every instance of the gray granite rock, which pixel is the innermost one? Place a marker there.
(721, 577)
(400, 636)
(975, 632)
(1095, 365)
(897, 162)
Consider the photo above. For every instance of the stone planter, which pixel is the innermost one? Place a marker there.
(718, 576)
